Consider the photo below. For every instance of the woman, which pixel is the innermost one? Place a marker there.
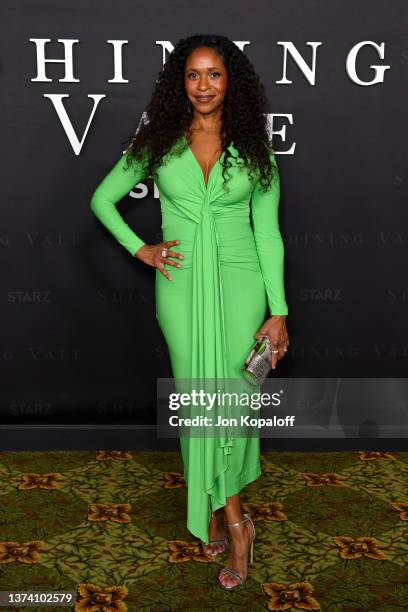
(206, 146)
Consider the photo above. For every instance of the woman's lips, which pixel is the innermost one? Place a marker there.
(204, 98)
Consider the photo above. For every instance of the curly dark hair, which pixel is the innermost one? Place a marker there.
(168, 115)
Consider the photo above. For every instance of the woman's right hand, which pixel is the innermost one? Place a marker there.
(151, 255)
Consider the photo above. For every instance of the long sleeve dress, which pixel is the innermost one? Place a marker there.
(231, 275)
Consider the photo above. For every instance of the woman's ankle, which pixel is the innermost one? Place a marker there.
(240, 537)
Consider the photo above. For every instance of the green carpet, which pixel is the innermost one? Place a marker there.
(331, 532)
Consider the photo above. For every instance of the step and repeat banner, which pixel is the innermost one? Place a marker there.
(80, 343)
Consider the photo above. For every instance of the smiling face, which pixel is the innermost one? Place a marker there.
(205, 79)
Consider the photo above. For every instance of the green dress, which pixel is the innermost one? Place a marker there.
(231, 275)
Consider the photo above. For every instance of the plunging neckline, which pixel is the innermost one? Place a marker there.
(199, 166)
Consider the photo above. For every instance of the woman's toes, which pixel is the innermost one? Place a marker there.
(232, 582)
(228, 580)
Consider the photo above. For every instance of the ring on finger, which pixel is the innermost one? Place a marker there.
(164, 253)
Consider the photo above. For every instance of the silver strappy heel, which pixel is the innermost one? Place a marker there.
(251, 557)
(219, 552)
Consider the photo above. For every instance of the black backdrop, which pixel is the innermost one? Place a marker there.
(80, 344)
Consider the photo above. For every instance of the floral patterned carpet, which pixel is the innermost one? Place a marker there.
(332, 532)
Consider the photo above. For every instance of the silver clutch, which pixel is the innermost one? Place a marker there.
(258, 363)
